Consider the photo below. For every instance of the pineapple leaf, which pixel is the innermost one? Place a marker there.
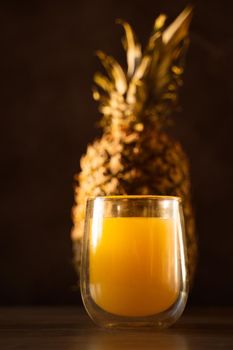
(95, 93)
(167, 63)
(103, 82)
(160, 22)
(142, 68)
(136, 83)
(114, 71)
(132, 47)
(178, 29)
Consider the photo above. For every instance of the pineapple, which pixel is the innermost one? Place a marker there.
(135, 154)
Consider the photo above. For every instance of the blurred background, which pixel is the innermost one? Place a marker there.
(48, 117)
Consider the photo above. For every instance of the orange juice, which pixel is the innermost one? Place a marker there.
(133, 265)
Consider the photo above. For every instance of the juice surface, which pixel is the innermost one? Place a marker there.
(134, 265)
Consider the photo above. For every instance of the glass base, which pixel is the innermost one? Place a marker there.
(157, 321)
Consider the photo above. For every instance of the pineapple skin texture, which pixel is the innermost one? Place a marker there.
(134, 162)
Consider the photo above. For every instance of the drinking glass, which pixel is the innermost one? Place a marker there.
(134, 261)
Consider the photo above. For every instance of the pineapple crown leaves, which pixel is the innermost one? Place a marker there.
(149, 87)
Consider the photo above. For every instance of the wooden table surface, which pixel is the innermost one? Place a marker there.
(69, 328)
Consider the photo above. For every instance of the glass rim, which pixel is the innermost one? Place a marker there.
(132, 196)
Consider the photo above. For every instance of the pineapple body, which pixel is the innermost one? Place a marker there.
(138, 162)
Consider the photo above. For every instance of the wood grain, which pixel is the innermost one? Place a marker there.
(71, 329)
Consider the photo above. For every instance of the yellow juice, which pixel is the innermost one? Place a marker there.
(134, 265)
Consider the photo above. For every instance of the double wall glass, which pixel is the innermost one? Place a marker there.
(134, 268)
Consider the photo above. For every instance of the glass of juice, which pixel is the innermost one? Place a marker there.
(134, 261)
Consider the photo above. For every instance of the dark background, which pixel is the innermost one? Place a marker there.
(48, 117)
